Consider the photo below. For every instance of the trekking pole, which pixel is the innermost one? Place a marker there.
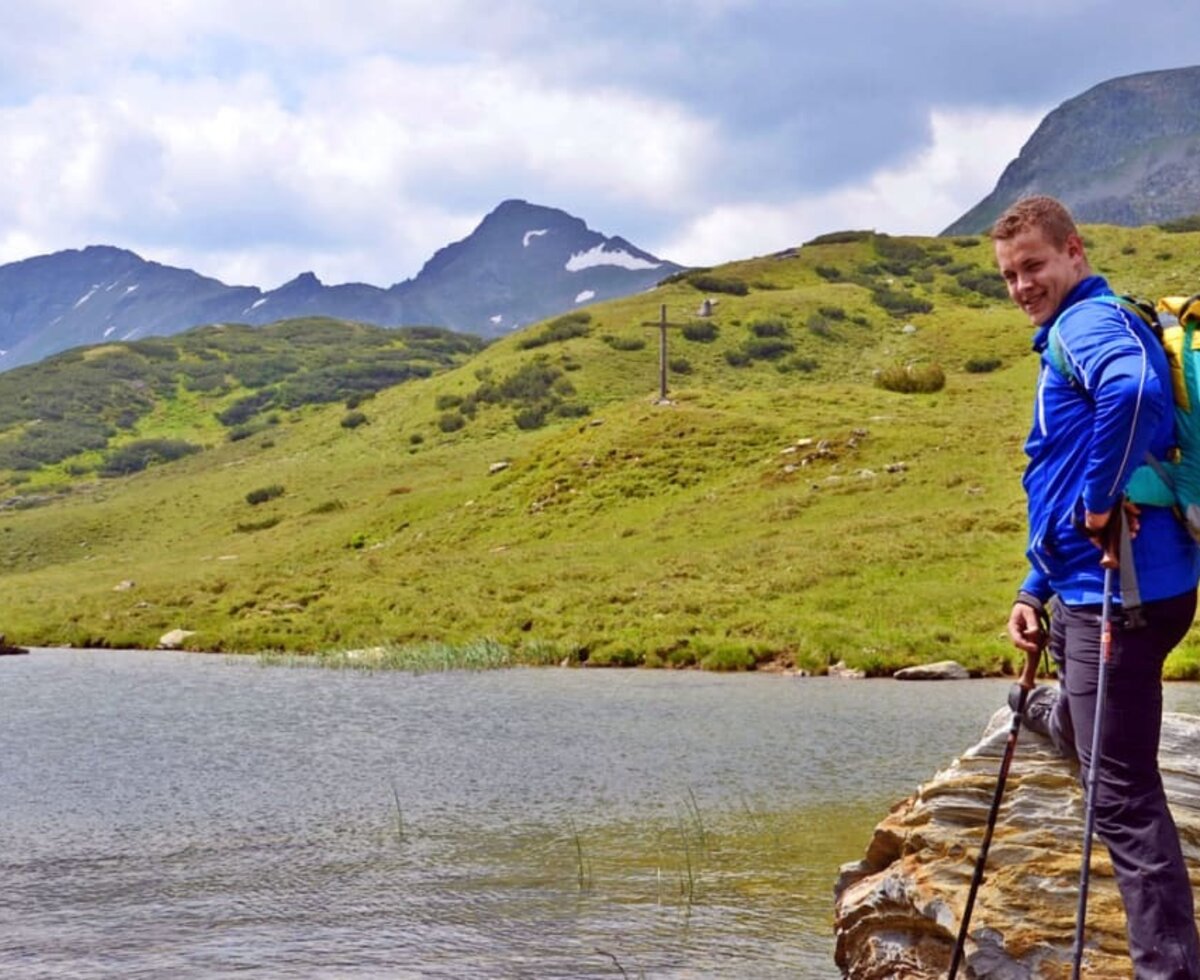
(1110, 563)
(1010, 748)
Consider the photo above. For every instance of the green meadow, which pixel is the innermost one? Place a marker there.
(835, 476)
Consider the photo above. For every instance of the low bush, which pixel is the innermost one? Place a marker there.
(533, 417)
(818, 326)
(352, 420)
(563, 328)
(828, 272)
(840, 237)
(1191, 223)
(624, 343)
(982, 365)
(805, 365)
(707, 283)
(263, 494)
(767, 348)
(772, 327)
(899, 303)
(680, 365)
(985, 283)
(912, 379)
(252, 526)
(138, 455)
(451, 422)
(700, 331)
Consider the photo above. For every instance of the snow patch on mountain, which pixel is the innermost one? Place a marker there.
(86, 296)
(585, 296)
(529, 235)
(600, 256)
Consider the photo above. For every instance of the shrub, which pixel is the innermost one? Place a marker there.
(242, 410)
(767, 348)
(352, 420)
(773, 327)
(571, 410)
(358, 398)
(263, 494)
(832, 312)
(967, 242)
(912, 379)
(1191, 223)
(737, 358)
(982, 365)
(451, 422)
(680, 365)
(563, 328)
(828, 273)
(138, 455)
(624, 343)
(707, 283)
(256, 525)
(805, 365)
(416, 439)
(818, 326)
(446, 402)
(840, 238)
(899, 303)
(700, 331)
(985, 283)
(533, 417)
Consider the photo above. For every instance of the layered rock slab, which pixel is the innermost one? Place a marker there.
(897, 911)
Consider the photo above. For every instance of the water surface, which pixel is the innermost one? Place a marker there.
(200, 816)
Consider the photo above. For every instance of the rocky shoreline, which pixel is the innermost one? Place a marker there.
(897, 911)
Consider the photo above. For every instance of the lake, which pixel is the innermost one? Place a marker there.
(206, 816)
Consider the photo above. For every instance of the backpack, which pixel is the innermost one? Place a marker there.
(1175, 481)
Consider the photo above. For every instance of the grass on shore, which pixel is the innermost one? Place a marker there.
(783, 509)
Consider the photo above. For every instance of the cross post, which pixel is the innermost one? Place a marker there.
(662, 325)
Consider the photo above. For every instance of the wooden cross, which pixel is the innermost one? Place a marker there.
(662, 325)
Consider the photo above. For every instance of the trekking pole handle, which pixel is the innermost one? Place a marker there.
(1110, 538)
(1107, 538)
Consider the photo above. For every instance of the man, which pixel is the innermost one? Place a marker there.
(1090, 431)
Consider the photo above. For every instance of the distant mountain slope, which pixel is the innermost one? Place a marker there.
(523, 263)
(1126, 152)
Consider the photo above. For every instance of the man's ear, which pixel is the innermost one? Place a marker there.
(1074, 246)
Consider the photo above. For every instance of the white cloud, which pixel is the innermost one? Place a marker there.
(968, 152)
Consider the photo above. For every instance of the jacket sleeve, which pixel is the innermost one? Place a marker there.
(1037, 583)
(1109, 357)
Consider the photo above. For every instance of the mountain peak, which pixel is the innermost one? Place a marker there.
(1125, 152)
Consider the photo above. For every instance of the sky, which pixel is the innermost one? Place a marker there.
(252, 140)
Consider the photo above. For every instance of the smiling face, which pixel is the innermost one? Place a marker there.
(1040, 274)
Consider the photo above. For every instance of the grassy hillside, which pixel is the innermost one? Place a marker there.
(782, 507)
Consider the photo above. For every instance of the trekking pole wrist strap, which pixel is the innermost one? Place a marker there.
(1036, 604)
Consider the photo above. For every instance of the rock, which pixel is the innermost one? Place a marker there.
(909, 329)
(498, 466)
(943, 670)
(124, 586)
(897, 911)
(175, 639)
(846, 673)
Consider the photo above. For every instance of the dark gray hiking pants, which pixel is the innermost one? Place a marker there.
(1131, 808)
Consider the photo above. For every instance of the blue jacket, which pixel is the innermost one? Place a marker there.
(1084, 445)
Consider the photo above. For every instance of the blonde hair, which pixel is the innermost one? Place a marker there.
(1039, 212)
